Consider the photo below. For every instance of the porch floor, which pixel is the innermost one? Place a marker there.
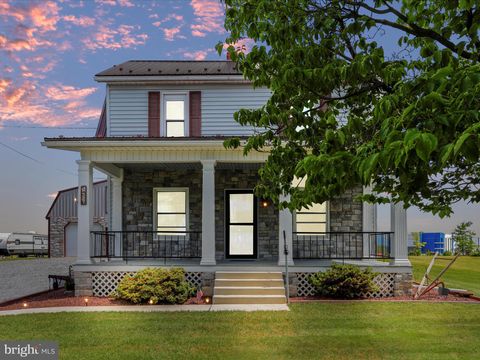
(193, 265)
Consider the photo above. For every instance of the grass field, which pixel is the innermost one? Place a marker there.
(464, 273)
(16, 257)
(360, 330)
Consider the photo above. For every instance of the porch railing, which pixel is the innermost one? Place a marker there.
(146, 244)
(342, 245)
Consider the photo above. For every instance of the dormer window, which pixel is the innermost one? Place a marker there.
(175, 121)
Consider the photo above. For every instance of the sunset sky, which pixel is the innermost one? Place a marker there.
(49, 52)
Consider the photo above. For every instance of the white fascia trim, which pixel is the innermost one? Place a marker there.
(59, 144)
(173, 78)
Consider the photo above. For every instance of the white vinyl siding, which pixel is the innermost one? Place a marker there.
(128, 107)
(219, 105)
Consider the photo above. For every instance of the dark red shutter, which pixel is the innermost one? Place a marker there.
(154, 114)
(195, 113)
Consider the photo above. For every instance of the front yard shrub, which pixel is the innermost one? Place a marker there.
(447, 253)
(160, 286)
(344, 281)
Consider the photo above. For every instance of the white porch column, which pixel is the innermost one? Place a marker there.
(84, 210)
(399, 247)
(369, 221)
(117, 224)
(285, 223)
(208, 213)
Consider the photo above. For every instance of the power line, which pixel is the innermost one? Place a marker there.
(22, 154)
(47, 127)
(36, 160)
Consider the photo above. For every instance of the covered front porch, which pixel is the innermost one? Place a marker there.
(215, 182)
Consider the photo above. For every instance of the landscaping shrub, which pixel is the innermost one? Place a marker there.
(164, 286)
(344, 281)
(475, 252)
(447, 253)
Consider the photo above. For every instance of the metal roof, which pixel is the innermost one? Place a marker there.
(146, 138)
(65, 204)
(171, 68)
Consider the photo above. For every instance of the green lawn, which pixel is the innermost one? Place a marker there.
(363, 330)
(16, 257)
(463, 274)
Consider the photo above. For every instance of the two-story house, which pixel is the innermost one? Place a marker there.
(177, 197)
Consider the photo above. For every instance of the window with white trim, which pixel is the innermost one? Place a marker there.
(175, 115)
(171, 210)
(312, 219)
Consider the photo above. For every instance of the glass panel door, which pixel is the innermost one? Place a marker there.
(241, 224)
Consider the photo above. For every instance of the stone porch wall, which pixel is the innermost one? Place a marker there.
(57, 233)
(137, 203)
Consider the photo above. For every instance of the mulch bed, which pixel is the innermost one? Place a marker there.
(433, 297)
(58, 298)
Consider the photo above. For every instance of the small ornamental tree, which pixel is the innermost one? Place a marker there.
(417, 244)
(463, 237)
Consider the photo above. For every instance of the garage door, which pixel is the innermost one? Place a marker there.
(71, 238)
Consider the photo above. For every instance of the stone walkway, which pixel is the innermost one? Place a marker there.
(150, 308)
(19, 278)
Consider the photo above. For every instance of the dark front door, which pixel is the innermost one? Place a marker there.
(241, 223)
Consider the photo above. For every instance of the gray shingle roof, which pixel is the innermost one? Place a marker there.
(171, 68)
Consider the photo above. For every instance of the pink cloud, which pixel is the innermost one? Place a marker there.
(209, 17)
(122, 3)
(106, 2)
(83, 21)
(198, 33)
(196, 55)
(9, 11)
(125, 3)
(245, 45)
(65, 92)
(46, 106)
(170, 33)
(52, 195)
(108, 38)
(168, 18)
(4, 83)
(15, 95)
(45, 15)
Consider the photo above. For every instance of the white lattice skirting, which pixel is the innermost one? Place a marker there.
(104, 283)
(385, 283)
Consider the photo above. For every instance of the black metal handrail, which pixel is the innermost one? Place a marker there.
(342, 245)
(146, 244)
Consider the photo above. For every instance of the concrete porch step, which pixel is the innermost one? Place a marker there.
(248, 275)
(220, 282)
(249, 290)
(249, 299)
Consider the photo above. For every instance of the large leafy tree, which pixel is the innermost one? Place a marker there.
(380, 93)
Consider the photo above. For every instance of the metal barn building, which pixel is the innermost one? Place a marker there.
(62, 219)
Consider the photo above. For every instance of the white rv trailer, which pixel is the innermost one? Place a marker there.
(3, 243)
(24, 244)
